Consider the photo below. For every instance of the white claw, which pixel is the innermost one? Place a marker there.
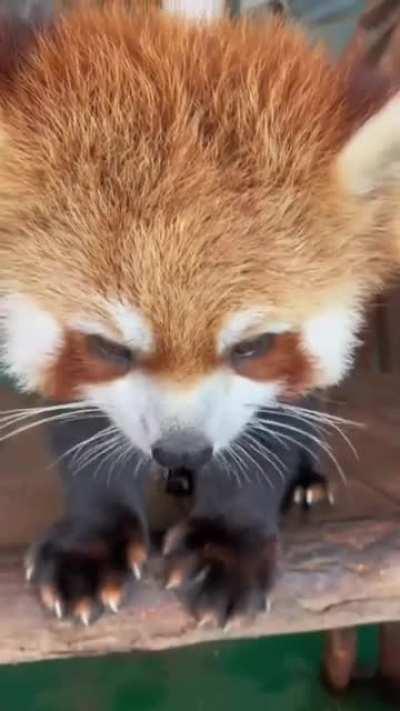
(136, 571)
(172, 584)
(208, 619)
(309, 497)
(298, 496)
(268, 605)
(331, 497)
(201, 575)
(58, 609)
(29, 571)
(85, 618)
(113, 605)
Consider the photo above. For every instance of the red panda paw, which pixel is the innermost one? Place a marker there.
(310, 491)
(224, 573)
(80, 570)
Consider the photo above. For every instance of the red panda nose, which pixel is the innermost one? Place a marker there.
(182, 449)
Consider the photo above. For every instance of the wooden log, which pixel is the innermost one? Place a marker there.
(389, 657)
(388, 673)
(340, 658)
(334, 575)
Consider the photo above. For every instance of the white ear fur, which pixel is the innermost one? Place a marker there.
(29, 338)
(371, 158)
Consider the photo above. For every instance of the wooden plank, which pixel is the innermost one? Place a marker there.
(335, 575)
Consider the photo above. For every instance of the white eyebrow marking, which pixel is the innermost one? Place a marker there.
(134, 327)
(331, 338)
(246, 324)
(128, 322)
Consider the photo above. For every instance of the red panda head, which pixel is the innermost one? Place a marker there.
(184, 235)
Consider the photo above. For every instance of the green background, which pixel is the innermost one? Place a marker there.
(275, 674)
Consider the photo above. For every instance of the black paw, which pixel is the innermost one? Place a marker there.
(308, 490)
(223, 572)
(80, 571)
(312, 489)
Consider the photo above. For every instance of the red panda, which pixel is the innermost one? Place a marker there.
(190, 228)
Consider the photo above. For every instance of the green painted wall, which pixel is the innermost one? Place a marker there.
(278, 674)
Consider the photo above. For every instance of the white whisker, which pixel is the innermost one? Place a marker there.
(39, 410)
(311, 418)
(307, 412)
(274, 435)
(65, 416)
(255, 463)
(220, 458)
(240, 470)
(95, 452)
(292, 440)
(76, 448)
(108, 457)
(7, 422)
(141, 460)
(126, 449)
(325, 447)
(266, 453)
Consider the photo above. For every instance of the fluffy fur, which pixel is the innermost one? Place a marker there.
(180, 175)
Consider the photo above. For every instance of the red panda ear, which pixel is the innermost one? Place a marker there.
(371, 63)
(372, 58)
(370, 161)
(20, 23)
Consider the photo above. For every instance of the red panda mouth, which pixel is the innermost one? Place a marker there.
(180, 482)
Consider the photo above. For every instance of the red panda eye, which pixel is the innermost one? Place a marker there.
(254, 348)
(109, 351)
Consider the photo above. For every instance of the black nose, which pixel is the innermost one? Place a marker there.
(183, 448)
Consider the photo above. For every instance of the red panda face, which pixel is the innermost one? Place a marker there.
(248, 362)
(175, 243)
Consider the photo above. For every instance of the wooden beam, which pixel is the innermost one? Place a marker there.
(334, 576)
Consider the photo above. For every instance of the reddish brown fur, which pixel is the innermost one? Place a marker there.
(185, 170)
(286, 362)
(75, 366)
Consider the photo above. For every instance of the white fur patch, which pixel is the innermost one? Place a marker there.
(30, 339)
(219, 407)
(331, 338)
(132, 329)
(92, 327)
(247, 324)
(195, 9)
(135, 330)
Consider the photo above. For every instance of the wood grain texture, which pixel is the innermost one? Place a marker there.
(334, 576)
